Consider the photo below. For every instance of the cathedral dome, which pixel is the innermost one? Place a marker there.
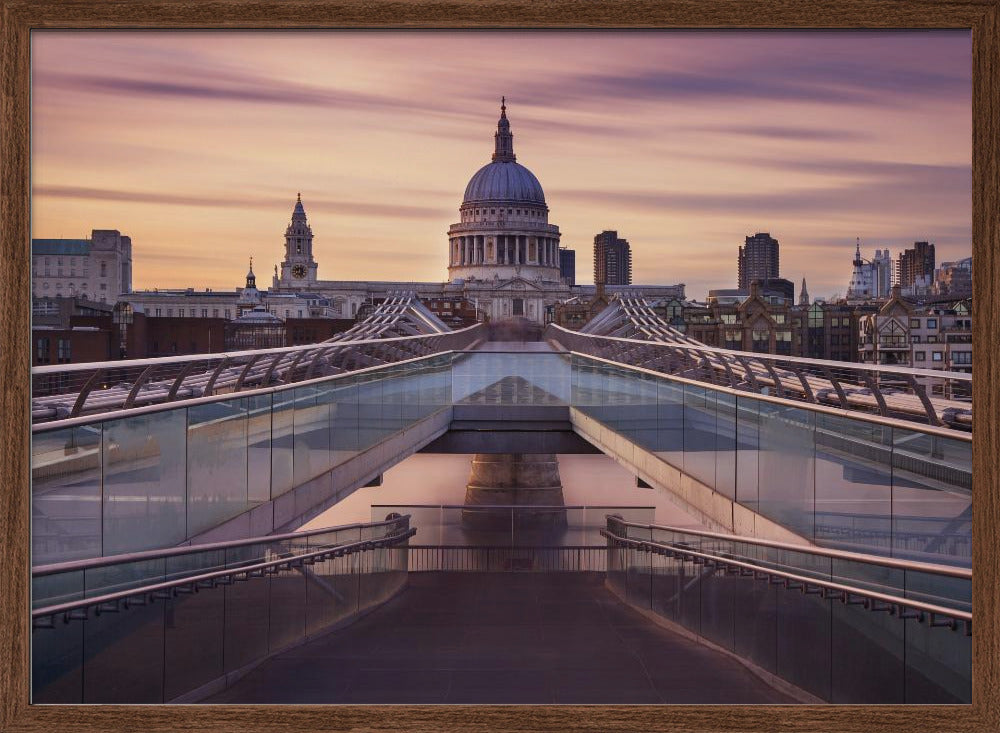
(505, 181)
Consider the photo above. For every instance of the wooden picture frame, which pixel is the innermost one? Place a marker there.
(17, 20)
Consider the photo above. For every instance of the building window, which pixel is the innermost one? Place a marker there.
(779, 317)
(43, 351)
(300, 313)
(64, 351)
(914, 323)
(204, 312)
(919, 356)
(932, 323)
(932, 339)
(104, 269)
(170, 312)
(937, 356)
(215, 313)
(729, 318)
(914, 339)
(228, 313)
(104, 286)
(157, 311)
(961, 357)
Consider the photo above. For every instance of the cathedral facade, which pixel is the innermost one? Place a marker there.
(503, 254)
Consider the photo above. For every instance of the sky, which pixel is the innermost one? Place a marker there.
(195, 145)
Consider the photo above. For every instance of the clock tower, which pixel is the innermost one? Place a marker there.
(298, 267)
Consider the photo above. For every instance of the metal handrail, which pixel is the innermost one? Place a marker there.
(892, 562)
(104, 561)
(894, 604)
(193, 401)
(149, 593)
(929, 373)
(231, 355)
(810, 406)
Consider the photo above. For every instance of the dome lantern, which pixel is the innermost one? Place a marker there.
(504, 150)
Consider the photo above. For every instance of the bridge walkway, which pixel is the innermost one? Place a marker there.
(502, 638)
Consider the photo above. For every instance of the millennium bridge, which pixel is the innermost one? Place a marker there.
(827, 559)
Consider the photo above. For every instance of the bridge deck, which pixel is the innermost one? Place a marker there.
(502, 638)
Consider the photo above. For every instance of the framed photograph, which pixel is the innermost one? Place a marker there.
(318, 415)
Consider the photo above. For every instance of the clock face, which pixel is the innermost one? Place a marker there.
(299, 271)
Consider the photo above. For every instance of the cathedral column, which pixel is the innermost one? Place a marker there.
(480, 249)
(543, 248)
(465, 250)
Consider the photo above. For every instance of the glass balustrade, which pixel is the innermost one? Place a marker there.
(155, 479)
(831, 478)
(165, 645)
(841, 652)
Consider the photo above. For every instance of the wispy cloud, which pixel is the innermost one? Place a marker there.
(365, 208)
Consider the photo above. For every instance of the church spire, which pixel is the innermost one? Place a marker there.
(299, 213)
(504, 138)
(803, 294)
(251, 278)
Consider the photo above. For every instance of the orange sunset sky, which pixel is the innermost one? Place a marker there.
(195, 144)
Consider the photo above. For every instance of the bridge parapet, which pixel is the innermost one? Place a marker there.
(174, 625)
(927, 396)
(844, 627)
(834, 477)
(72, 390)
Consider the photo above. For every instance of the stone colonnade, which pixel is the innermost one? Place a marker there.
(507, 249)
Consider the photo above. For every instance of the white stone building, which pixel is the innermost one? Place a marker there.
(97, 269)
(231, 304)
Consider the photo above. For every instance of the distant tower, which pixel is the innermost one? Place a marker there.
(803, 294)
(298, 267)
(612, 259)
(249, 296)
(251, 278)
(757, 260)
(860, 287)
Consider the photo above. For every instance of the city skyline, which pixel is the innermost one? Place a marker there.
(816, 138)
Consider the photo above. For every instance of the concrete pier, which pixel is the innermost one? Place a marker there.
(515, 479)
